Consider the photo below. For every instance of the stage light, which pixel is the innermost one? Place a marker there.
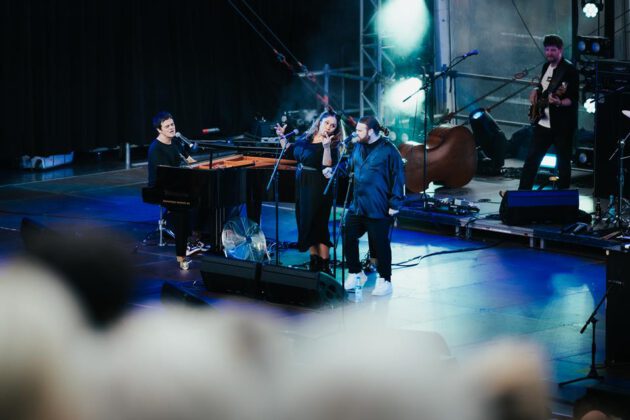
(584, 157)
(598, 46)
(549, 161)
(401, 89)
(591, 8)
(490, 140)
(404, 23)
(589, 105)
(477, 114)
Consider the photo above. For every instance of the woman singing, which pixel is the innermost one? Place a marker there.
(314, 151)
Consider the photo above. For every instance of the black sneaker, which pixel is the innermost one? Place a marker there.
(195, 246)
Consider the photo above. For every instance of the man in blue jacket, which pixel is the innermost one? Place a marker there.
(379, 189)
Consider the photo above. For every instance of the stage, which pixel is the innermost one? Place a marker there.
(486, 280)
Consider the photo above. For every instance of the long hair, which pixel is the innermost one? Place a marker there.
(314, 129)
(371, 122)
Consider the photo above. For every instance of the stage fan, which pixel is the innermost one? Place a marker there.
(243, 239)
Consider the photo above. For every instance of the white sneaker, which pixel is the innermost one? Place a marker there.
(382, 288)
(354, 279)
(184, 264)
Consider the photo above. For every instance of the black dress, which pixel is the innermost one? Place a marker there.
(312, 208)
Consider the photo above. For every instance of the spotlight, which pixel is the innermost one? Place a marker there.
(591, 7)
(598, 46)
(589, 105)
(584, 157)
(405, 23)
(399, 90)
(549, 161)
(490, 140)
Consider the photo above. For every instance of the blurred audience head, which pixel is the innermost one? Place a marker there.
(40, 322)
(94, 266)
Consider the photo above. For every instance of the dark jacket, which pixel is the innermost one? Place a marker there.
(564, 117)
(379, 180)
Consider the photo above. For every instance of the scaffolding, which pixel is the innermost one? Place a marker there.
(374, 71)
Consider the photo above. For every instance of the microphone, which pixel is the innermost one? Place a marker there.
(471, 52)
(184, 161)
(210, 130)
(352, 138)
(190, 144)
(291, 133)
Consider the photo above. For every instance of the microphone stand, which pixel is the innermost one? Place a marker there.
(274, 179)
(592, 373)
(333, 181)
(430, 80)
(343, 215)
(620, 181)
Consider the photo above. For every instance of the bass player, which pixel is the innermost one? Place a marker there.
(553, 113)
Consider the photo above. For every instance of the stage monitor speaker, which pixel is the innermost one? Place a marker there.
(225, 275)
(547, 206)
(299, 287)
(617, 309)
(176, 293)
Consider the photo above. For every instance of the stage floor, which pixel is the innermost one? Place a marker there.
(497, 286)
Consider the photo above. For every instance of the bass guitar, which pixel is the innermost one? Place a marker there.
(537, 110)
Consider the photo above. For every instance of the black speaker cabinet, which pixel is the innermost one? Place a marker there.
(617, 308)
(547, 206)
(299, 287)
(613, 80)
(225, 275)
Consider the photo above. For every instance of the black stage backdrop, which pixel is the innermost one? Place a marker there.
(81, 75)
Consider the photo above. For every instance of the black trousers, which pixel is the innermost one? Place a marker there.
(378, 235)
(181, 220)
(541, 141)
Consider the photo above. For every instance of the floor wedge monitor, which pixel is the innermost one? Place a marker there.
(547, 206)
(299, 287)
(225, 275)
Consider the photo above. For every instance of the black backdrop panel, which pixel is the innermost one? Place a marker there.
(76, 76)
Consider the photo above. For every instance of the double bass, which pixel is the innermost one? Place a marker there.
(451, 157)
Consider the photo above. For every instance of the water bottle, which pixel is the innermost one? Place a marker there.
(358, 293)
(611, 206)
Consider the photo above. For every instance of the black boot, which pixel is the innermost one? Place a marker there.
(314, 264)
(325, 266)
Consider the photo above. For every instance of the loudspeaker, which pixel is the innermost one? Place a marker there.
(299, 287)
(177, 293)
(33, 233)
(613, 80)
(608, 398)
(617, 310)
(225, 275)
(547, 206)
